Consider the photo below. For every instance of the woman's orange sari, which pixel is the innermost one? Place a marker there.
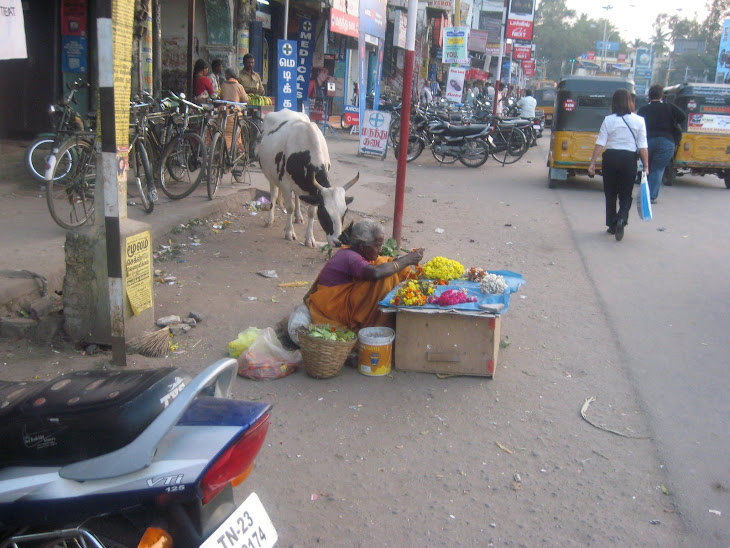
(353, 305)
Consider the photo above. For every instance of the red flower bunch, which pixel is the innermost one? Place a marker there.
(451, 297)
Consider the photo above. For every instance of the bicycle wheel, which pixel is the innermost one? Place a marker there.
(71, 198)
(216, 163)
(242, 158)
(143, 176)
(475, 153)
(514, 148)
(182, 165)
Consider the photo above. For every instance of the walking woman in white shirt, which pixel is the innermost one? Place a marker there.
(622, 134)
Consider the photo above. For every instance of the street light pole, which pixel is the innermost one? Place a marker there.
(605, 28)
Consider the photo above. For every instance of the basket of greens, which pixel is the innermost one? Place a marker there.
(325, 349)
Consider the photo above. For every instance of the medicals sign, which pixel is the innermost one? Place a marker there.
(306, 39)
(286, 96)
(12, 31)
(455, 45)
(520, 19)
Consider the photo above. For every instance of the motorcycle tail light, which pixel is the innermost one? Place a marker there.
(236, 461)
(155, 538)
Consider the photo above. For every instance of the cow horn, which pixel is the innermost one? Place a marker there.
(347, 185)
(318, 186)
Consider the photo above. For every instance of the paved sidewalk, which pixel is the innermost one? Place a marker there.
(31, 241)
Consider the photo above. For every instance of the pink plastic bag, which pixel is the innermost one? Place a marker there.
(266, 358)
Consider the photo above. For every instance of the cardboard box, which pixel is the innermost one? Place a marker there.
(447, 343)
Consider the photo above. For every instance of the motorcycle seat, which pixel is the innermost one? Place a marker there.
(80, 415)
(463, 131)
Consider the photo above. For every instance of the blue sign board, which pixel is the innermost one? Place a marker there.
(374, 17)
(306, 38)
(610, 46)
(286, 96)
(73, 58)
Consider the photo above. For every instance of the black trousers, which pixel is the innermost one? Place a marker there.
(619, 174)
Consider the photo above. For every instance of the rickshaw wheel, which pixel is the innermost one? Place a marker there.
(552, 183)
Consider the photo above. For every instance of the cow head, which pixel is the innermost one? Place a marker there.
(331, 205)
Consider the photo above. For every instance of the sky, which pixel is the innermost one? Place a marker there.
(634, 18)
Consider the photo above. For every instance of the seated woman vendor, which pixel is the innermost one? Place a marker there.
(349, 287)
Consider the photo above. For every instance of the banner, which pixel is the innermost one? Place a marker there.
(455, 44)
(12, 31)
(373, 17)
(345, 17)
(519, 19)
(642, 71)
(399, 29)
(455, 84)
(722, 76)
(477, 41)
(242, 48)
(522, 53)
(286, 96)
(306, 41)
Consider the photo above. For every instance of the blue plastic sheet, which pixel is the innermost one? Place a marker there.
(512, 279)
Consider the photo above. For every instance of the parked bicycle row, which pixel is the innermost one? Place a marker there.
(173, 143)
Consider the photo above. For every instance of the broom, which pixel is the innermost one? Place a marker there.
(153, 344)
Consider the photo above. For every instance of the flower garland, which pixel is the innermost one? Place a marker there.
(451, 297)
(475, 274)
(493, 284)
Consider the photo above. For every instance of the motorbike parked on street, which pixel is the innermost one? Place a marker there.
(466, 144)
(130, 458)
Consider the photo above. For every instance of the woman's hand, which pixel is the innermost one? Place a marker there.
(412, 258)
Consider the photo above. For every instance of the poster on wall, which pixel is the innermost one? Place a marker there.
(12, 31)
(520, 19)
(73, 54)
(455, 84)
(73, 17)
(455, 44)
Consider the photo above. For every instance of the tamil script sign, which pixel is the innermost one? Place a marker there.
(306, 41)
(287, 69)
(374, 133)
(455, 45)
(345, 17)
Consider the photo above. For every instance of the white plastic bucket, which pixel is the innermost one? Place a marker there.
(375, 354)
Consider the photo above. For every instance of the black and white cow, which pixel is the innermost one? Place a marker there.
(295, 159)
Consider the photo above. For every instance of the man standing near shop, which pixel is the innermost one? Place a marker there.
(250, 80)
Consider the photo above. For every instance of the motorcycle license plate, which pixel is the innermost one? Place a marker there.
(249, 526)
(536, 126)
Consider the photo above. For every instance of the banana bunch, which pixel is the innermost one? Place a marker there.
(259, 100)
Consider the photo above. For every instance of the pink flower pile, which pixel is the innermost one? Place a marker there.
(451, 297)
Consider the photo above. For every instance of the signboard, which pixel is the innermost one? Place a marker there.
(722, 75)
(73, 17)
(374, 133)
(286, 96)
(373, 17)
(352, 115)
(477, 41)
(529, 64)
(264, 19)
(522, 52)
(709, 123)
(345, 17)
(12, 31)
(569, 105)
(138, 261)
(621, 57)
(306, 41)
(642, 71)
(455, 41)
(591, 55)
(242, 48)
(399, 29)
(610, 46)
(73, 54)
(520, 19)
(455, 84)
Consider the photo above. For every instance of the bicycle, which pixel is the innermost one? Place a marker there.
(507, 143)
(139, 160)
(183, 159)
(221, 158)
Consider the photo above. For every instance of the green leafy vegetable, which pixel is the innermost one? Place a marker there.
(330, 333)
(390, 248)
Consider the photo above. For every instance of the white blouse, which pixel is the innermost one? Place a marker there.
(615, 134)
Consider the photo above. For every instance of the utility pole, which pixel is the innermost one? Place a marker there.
(605, 27)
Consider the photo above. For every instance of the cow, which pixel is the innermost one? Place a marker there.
(295, 159)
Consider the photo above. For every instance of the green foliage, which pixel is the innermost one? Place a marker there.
(330, 333)
(390, 248)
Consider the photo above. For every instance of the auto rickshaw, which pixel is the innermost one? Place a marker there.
(581, 104)
(545, 97)
(705, 145)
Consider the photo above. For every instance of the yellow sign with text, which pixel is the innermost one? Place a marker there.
(138, 258)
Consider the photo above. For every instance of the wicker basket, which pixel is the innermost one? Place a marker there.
(323, 358)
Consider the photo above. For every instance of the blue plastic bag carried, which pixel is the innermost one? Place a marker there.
(643, 204)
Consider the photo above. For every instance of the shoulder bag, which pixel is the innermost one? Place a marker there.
(637, 181)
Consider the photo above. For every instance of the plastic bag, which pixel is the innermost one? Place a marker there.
(243, 341)
(300, 316)
(267, 358)
(643, 204)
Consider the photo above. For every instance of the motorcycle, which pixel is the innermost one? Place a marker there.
(450, 143)
(66, 121)
(130, 458)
